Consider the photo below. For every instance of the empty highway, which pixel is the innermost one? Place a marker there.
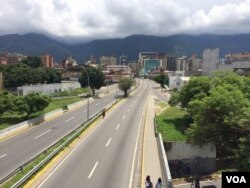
(107, 156)
(17, 150)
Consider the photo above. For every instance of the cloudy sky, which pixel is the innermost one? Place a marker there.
(93, 19)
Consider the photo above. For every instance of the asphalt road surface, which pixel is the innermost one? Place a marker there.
(19, 149)
(107, 156)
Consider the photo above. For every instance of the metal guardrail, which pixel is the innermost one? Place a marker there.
(155, 129)
(50, 156)
(167, 179)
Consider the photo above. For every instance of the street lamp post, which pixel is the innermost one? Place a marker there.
(108, 86)
(88, 93)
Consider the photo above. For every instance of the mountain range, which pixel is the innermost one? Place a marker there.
(177, 45)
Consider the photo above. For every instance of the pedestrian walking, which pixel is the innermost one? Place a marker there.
(103, 113)
(159, 183)
(148, 182)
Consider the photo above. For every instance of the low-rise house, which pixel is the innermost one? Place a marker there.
(177, 82)
(116, 72)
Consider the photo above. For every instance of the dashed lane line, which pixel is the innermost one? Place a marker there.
(2, 156)
(108, 142)
(117, 127)
(42, 134)
(69, 119)
(93, 169)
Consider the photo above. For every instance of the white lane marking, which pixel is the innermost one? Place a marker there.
(108, 142)
(97, 104)
(133, 163)
(117, 127)
(70, 153)
(124, 117)
(92, 171)
(42, 134)
(69, 119)
(128, 110)
(3, 156)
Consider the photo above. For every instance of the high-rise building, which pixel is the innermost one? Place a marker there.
(210, 61)
(243, 56)
(150, 64)
(163, 58)
(11, 58)
(194, 63)
(3, 58)
(181, 63)
(171, 63)
(69, 62)
(105, 61)
(123, 60)
(146, 55)
(47, 61)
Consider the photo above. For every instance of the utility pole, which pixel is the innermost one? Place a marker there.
(88, 93)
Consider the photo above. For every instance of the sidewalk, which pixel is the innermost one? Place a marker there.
(151, 162)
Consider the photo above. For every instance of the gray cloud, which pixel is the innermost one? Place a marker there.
(114, 18)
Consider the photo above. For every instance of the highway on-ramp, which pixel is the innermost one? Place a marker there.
(107, 156)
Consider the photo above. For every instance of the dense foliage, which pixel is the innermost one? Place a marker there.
(92, 76)
(219, 107)
(31, 103)
(25, 74)
(32, 61)
(125, 84)
(161, 79)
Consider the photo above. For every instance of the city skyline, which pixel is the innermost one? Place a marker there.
(86, 21)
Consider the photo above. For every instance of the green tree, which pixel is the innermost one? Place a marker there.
(2, 68)
(6, 102)
(174, 99)
(21, 74)
(219, 78)
(218, 118)
(246, 87)
(96, 78)
(125, 84)
(33, 102)
(32, 61)
(161, 79)
(242, 155)
(196, 88)
(53, 76)
(16, 75)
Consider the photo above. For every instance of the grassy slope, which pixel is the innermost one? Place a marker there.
(170, 124)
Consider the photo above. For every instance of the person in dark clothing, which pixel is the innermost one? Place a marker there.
(159, 183)
(103, 113)
(148, 182)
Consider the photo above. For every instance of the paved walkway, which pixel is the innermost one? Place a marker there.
(151, 164)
